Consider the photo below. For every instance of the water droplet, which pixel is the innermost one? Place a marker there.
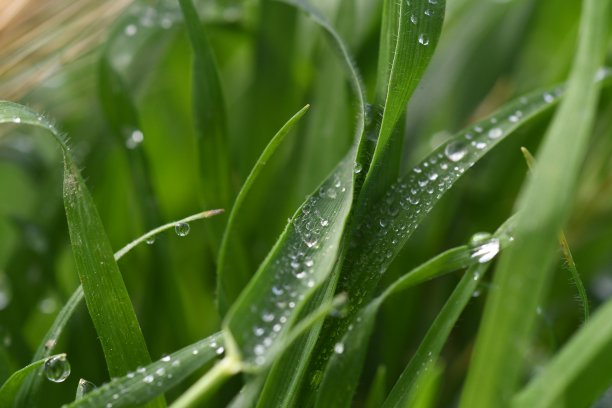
(423, 39)
(414, 19)
(220, 350)
(483, 247)
(148, 379)
(182, 229)
(131, 30)
(513, 118)
(548, 98)
(433, 1)
(495, 133)
(455, 151)
(429, 12)
(432, 176)
(134, 139)
(357, 168)
(339, 348)
(165, 359)
(479, 145)
(83, 388)
(16, 120)
(331, 192)
(324, 223)
(476, 293)
(160, 371)
(150, 240)
(267, 317)
(57, 368)
(308, 262)
(48, 305)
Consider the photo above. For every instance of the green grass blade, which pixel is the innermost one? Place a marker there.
(413, 36)
(145, 383)
(209, 112)
(579, 373)
(46, 346)
(381, 236)
(302, 259)
(523, 272)
(105, 293)
(10, 388)
(567, 254)
(229, 283)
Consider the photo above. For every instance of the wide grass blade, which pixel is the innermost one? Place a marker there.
(524, 271)
(257, 324)
(229, 283)
(105, 293)
(145, 383)
(10, 388)
(579, 373)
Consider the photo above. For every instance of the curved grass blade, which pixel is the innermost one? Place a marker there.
(146, 383)
(579, 373)
(46, 346)
(381, 236)
(523, 272)
(209, 113)
(8, 391)
(303, 257)
(229, 283)
(105, 293)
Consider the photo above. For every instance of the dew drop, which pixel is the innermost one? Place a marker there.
(308, 262)
(495, 133)
(338, 348)
(483, 247)
(83, 388)
(134, 139)
(219, 350)
(357, 168)
(414, 19)
(479, 145)
(455, 151)
(423, 39)
(148, 379)
(182, 229)
(150, 240)
(324, 223)
(57, 368)
(548, 98)
(131, 30)
(160, 371)
(16, 120)
(429, 12)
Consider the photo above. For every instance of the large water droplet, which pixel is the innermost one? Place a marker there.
(495, 133)
(83, 388)
(423, 39)
(455, 151)
(182, 229)
(339, 348)
(483, 247)
(57, 368)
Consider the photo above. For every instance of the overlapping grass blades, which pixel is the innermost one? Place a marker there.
(11, 387)
(524, 271)
(105, 293)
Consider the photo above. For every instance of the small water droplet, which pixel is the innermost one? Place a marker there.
(308, 262)
(455, 151)
(483, 247)
(131, 30)
(331, 192)
(479, 145)
(83, 388)
(182, 229)
(414, 19)
(324, 223)
(513, 118)
(160, 371)
(548, 98)
(357, 168)
(495, 133)
(429, 12)
(165, 359)
(134, 139)
(423, 39)
(150, 240)
(339, 348)
(16, 120)
(220, 350)
(57, 368)
(148, 379)
(476, 293)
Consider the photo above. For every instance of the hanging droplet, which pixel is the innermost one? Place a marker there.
(57, 368)
(150, 240)
(423, 39)
(83, 388)
(182, 229)
(484, 247)
(455, 151)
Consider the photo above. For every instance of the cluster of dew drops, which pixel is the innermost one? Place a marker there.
(296, 267)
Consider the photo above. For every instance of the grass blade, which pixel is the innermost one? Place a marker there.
(209, 113)
(105, 292)
(46, 346)
(229, 283)
(145, 383)
(579, 373)
(523, 272)
(297, 265)
(8, 391)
